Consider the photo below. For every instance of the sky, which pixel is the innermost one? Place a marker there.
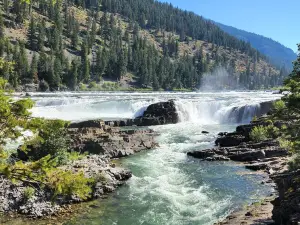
(276, 19)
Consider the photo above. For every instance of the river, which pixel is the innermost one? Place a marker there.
(167, 187)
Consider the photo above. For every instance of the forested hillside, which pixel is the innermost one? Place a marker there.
(79, 44)
(278, 54)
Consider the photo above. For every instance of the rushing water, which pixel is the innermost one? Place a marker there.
(167, 187)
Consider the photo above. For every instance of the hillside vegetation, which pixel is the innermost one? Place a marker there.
(76, 44)
(278, 54)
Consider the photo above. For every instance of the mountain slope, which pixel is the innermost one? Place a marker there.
(277, 53)
(143, 44)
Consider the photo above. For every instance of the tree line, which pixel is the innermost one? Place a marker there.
(66, 51)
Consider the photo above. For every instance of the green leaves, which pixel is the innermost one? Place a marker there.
(49, 149)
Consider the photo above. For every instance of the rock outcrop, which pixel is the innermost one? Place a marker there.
(286, 206)
(95, 137)
(103, 143)
(237, 146)
(161, 113)
(267, 156)
(107, 176)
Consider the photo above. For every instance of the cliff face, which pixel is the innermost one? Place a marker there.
(286, 205)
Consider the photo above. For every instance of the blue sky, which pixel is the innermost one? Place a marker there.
(277, 19)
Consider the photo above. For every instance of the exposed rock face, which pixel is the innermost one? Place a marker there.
(96, 137)
(242, 153)
(286, 206)
(237, 146)
(161, 113)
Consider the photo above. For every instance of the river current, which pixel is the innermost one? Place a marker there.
(167, 187)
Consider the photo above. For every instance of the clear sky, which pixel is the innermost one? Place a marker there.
(277, 19)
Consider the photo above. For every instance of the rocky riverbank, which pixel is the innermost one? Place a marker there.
(102, 143)
(267, 157)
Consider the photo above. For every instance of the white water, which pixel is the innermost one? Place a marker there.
(205, 108)
(167, 187)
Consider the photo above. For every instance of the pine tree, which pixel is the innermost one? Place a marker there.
(121, 64)
(57, 73)
(34, 69)
(41, 35)
(1, 26)
(85, 62)
(31, 36)
(23, 62)
(73, 75)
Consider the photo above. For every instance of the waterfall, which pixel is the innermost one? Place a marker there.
(203, 108)
(209, 112)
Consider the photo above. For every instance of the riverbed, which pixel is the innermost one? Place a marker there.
(167, 187)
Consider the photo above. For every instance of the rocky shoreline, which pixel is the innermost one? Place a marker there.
(103, 143)
(265, 157)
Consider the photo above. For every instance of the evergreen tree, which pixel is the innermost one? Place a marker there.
(34, 69)
(1, 26)
(73, 75)
(31, 36)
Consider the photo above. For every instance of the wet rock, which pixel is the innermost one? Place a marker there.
(88, 124)
(228, 141)
(222, 134)
(257, 166)
(159, 114)
(201, 154)
(247, 156)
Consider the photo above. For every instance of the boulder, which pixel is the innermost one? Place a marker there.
(229, 141)
(88, 124)
(203, 154)
(159, 114)
(257, 166)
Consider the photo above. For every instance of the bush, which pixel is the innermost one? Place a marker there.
(67, 183)
(286, 144)
(294, 163)
(43, 86)
(52, 140)
(28, 193)
(92, 85)
(259, 133)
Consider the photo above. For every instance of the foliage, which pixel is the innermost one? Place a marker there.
(103, 40)
(259, 133)
(51, 149)
(286, 144)
(28, 193)
(287, 110)
(67, 184)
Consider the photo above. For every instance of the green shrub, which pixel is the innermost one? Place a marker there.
(286, 144)
(100, 177)
(53, 140)
(67, 183)
(92, 85)
(279, 105)
(28, 193)
(259, 133)
(272, 131)
(82, 87)
(294, 163)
